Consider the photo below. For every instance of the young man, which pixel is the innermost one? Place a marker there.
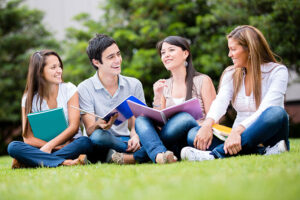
(101, 93)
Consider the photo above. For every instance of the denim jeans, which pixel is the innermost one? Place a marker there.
(269, 128)
(104, 140)
(34, 157)
(171, 136)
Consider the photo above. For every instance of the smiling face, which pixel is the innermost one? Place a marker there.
(111, 61)
(52, 72)
(173, 56)
(237, 53)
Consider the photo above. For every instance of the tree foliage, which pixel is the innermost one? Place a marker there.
(137, 26)
(21, 31)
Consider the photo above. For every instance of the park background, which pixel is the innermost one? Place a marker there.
(137, 25)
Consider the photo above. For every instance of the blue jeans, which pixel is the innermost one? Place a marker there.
(269, 128)
(171, 136)
(104, 140)
(33, 157)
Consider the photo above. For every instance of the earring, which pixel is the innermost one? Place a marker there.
(186, 63)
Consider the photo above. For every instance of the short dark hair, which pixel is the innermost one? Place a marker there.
(96, 47)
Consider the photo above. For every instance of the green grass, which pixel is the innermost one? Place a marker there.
(245, 177)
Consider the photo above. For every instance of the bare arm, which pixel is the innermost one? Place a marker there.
(208, 93)
(70, 131)
(91, 124)
(159, 102)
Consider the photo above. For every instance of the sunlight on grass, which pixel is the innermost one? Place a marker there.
(246, 177)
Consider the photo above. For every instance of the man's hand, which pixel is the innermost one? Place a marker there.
(106, 125)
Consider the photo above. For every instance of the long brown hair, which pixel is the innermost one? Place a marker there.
(190, 70)
(36, 83)
(253, 41)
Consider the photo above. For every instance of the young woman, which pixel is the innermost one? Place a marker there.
(184, 84)
(45, 90)
(255, 85)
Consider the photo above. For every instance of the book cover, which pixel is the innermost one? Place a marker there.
(123, 110)
(47, 124)
(221, 132)
(191, 106)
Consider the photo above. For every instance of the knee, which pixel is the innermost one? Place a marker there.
(100, 137)
(275, 114)
(85, 141)
(13, 148)
(185, 118)
(142, 124)
(191, 136)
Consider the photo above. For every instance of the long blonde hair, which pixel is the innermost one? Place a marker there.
(253, 41)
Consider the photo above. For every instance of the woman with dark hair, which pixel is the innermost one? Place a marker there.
(185, 83)
(255, 85)
(45, 90)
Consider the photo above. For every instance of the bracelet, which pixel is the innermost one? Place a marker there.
(156, 106)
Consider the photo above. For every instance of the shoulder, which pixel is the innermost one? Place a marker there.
(68, 86)
(200, 78)
(272, 68)
(130, 81)
(84, 84)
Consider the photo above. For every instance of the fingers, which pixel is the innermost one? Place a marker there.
(232, 149)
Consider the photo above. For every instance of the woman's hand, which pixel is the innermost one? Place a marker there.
(47, 148)
(133, 144)
(233, 143)
(203, 138)
(158, 88)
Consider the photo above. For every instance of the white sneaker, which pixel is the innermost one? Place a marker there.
(278, 148)
(192, 154)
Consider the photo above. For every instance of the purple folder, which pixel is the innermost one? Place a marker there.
(191, 106)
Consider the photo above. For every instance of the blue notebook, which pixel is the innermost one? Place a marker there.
(47, 124)
(123, 110)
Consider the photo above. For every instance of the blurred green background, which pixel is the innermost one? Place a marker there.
(137, 25)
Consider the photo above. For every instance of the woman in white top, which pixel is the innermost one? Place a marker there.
(255, 85)
(45, 90)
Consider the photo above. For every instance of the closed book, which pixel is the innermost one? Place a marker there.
(47, 124)
(161, 117)
(221, 132)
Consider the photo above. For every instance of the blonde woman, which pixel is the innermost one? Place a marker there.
(255, 85)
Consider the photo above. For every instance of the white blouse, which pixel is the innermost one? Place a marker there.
(65, 92)
(274, 85)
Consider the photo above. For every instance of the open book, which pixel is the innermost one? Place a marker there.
(221, 132)
(191, 106)
(47, 124)
(123, 110)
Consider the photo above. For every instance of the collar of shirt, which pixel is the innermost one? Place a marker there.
(98, 85)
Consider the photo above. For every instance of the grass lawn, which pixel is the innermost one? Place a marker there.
(246, 177)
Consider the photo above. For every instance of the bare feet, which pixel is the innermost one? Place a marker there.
(165, 157)
(81, 160)
(17, 165)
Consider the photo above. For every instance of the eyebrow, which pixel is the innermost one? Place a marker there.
(113, 54)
